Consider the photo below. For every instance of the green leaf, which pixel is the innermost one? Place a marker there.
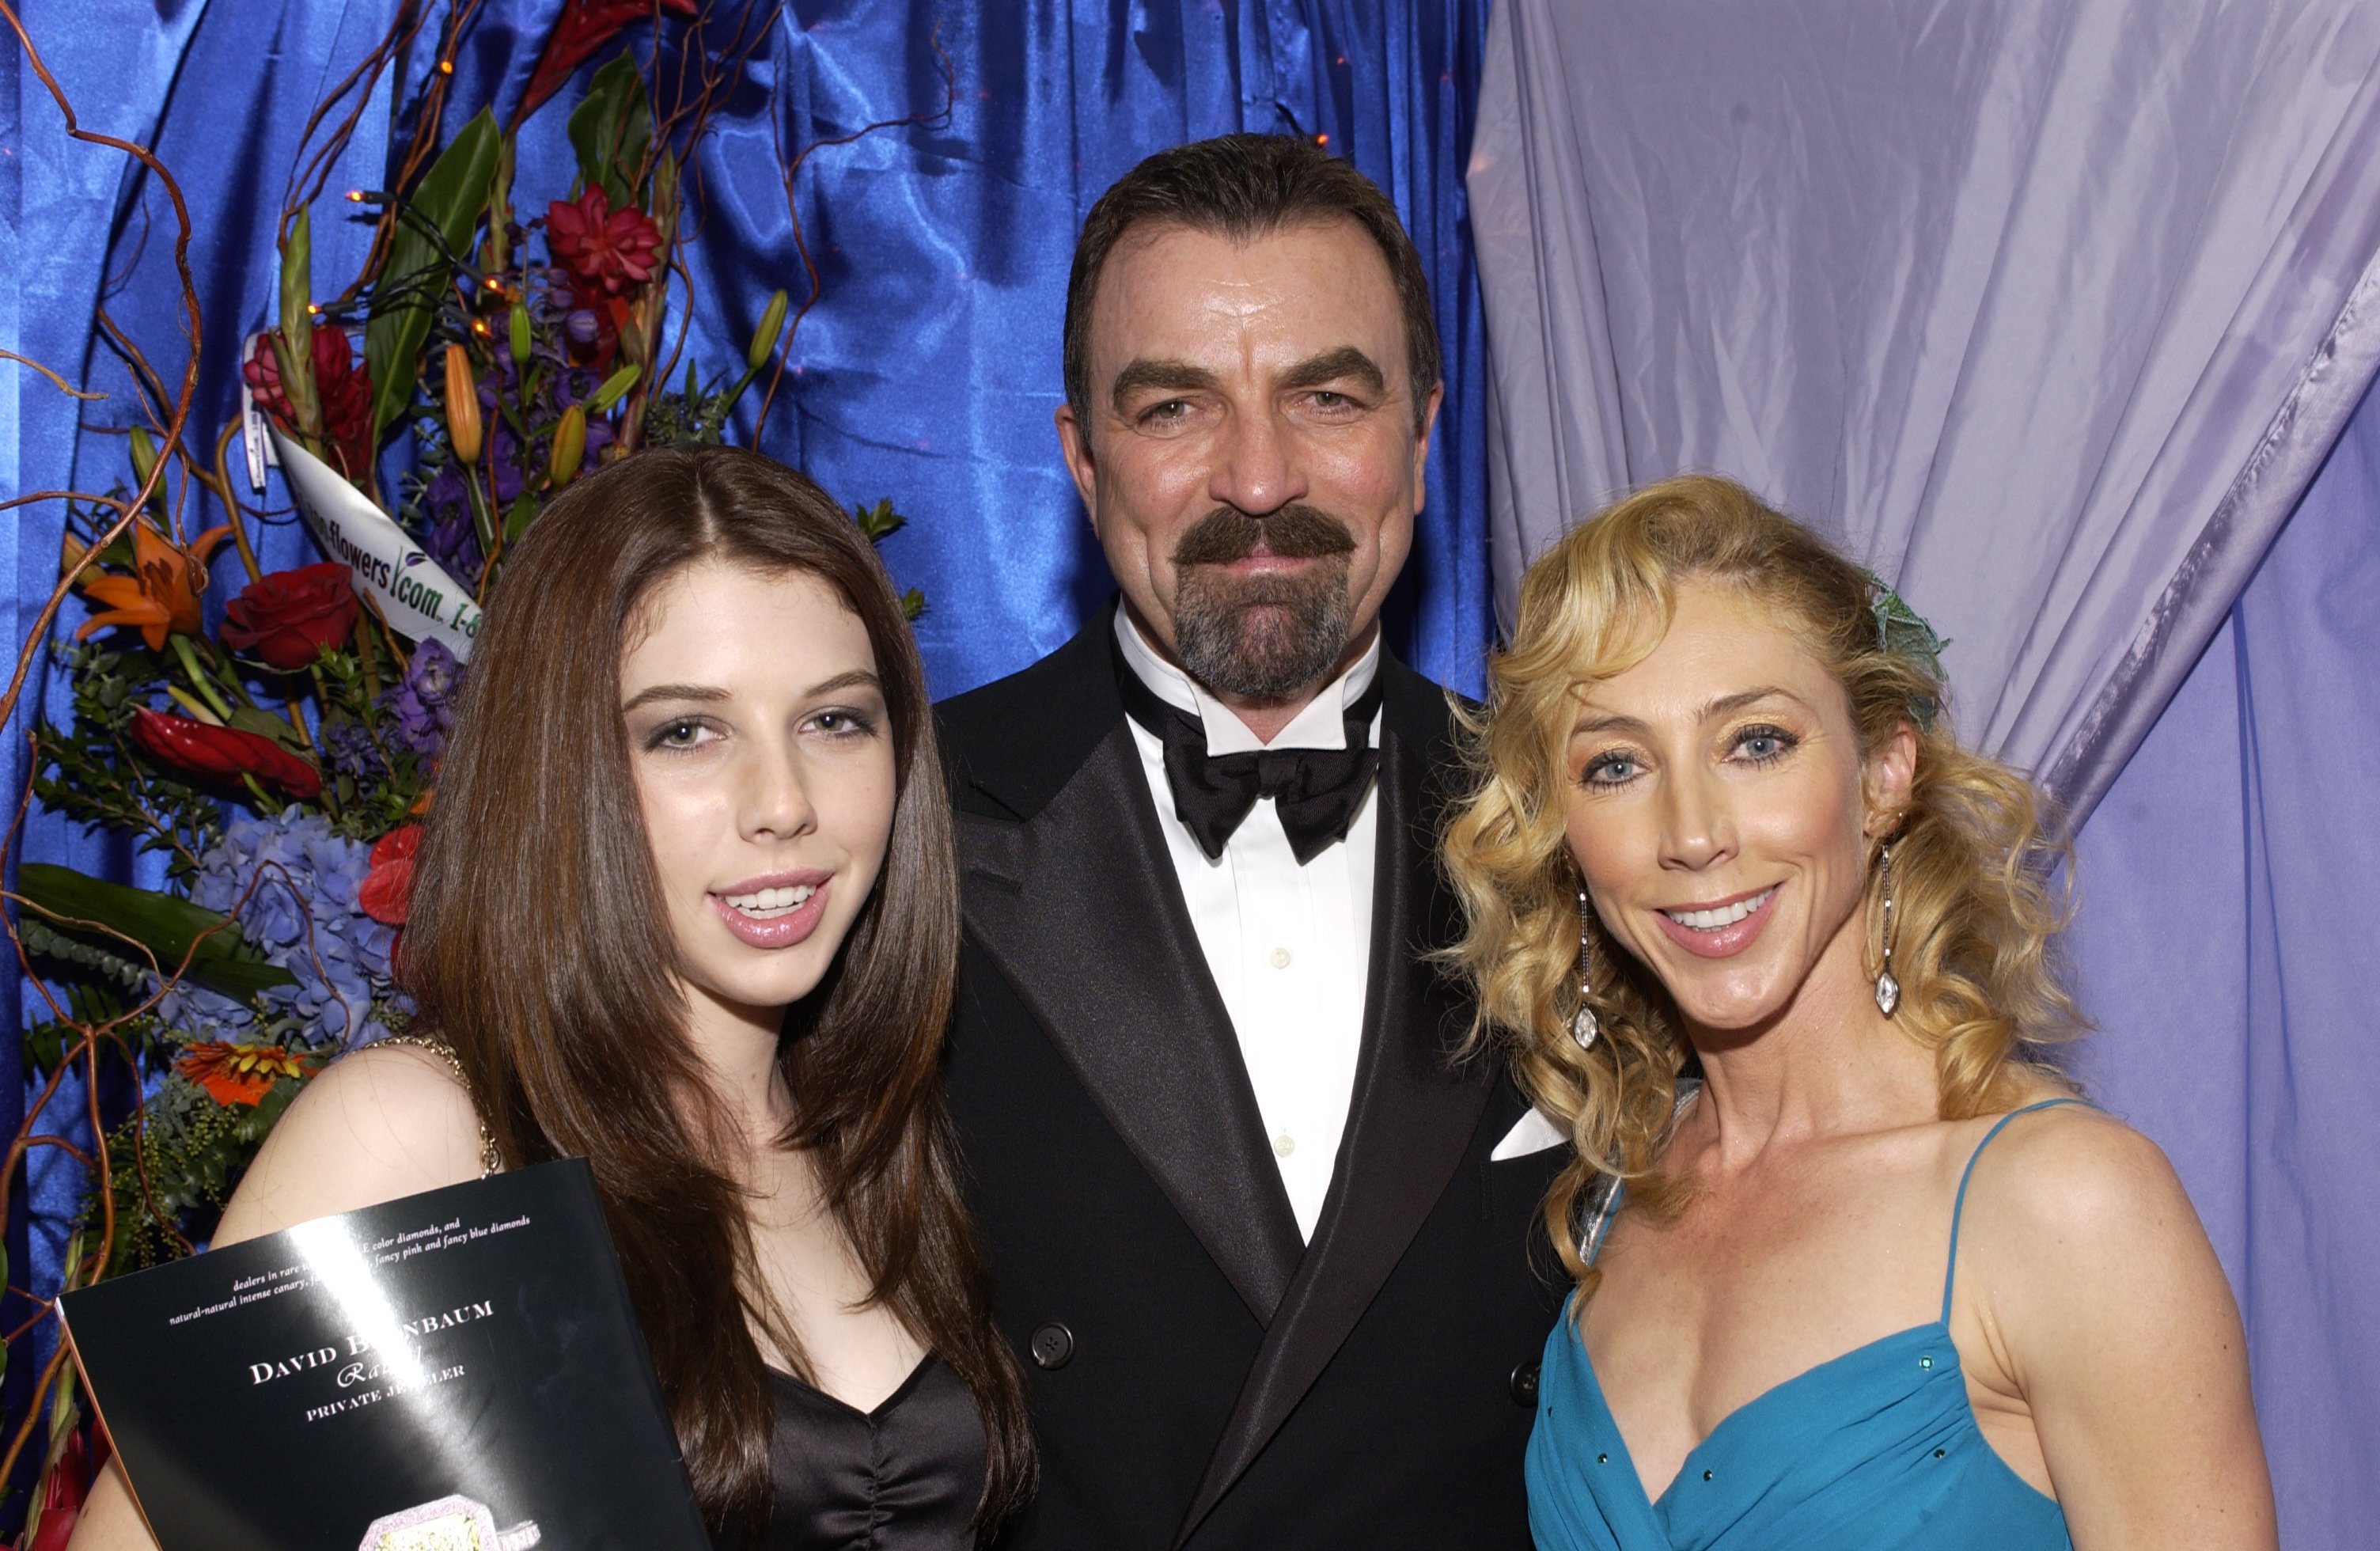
(264, 724)
(517, 521)
(449, 198)
(879, 521)
(165, 925)
(609, 129)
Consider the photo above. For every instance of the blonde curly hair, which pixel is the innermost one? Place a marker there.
(1971, 856)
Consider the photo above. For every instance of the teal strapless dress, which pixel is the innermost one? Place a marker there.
(1876, 1449)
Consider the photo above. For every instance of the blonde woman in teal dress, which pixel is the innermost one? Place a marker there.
(1854, 1268)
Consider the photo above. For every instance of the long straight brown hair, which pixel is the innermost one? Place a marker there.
(540, 949)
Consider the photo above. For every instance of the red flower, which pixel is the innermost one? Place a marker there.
(223, 754)
(289, 617)
(238, 1073)
(340, 383)
(600, 246)
(64, 1486)
(584, 27)
(387, 892)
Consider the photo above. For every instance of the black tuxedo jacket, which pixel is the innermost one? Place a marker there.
(1198, 1376)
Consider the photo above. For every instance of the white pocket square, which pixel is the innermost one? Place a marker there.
(1533, 1133)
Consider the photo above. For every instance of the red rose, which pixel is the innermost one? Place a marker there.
(387, 892)
(289, 617)
(223, 754)
(603, 248)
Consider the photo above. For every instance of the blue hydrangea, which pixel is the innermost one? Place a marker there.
(301, 915)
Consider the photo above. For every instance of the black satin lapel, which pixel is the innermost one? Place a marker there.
(1080, 907)
(1414, 1113)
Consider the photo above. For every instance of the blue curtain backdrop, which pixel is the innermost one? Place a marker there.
(927, 373)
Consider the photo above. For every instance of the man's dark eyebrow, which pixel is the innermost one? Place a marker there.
(1333, 365)
(1143, 375)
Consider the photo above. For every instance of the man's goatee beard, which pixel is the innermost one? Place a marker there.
(1262, 637)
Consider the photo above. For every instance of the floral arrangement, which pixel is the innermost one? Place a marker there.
(501, 343)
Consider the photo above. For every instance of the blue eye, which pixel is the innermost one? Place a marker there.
(1610, 770)
(1763, 745)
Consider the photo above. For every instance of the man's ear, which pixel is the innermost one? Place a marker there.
(1075, 446)
(1891, 772)
(1421, 442)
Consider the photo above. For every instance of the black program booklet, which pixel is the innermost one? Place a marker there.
(458, 1369)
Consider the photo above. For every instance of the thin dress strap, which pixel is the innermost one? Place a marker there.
(1959, 1205)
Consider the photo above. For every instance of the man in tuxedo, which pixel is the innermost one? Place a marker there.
(1264, 1243)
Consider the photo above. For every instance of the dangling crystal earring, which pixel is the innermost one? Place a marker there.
(1582, 1023)
(1888, 989)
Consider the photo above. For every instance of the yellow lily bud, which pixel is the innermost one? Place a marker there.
(569, 447)
(764, 337)
(615, 388)
(462, 405)
(520, 341)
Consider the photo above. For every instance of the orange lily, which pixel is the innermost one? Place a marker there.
(162, 594)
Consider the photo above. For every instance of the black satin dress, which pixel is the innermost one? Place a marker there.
(903, 1477)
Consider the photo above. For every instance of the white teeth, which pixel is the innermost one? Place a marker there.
(771, 901)
(1726, 915)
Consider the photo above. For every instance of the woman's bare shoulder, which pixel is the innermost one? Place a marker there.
(386, 1121)
(2073, 1169)
(2073, 1216)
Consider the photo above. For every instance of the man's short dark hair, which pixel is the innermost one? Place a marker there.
(1244, 186)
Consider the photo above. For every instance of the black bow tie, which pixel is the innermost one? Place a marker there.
(1315, 791)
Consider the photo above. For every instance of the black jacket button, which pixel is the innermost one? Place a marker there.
(1525, 1384)
(1053, 1347)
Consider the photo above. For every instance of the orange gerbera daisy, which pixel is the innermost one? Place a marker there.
(162, 594)
(238, 1073)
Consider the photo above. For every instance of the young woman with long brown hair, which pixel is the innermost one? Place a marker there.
(686, 908)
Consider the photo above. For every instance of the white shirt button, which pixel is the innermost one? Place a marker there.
(1284, 1144)
(1280, 959)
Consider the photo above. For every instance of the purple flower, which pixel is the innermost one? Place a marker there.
(452, 541)
(347, 749)
(422, 707)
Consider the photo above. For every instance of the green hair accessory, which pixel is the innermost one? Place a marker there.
(1902, 631)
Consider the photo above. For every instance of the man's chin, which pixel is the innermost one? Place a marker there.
(1268, 652)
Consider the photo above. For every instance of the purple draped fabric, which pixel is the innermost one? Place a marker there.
(2218, 949)
(2052, 306)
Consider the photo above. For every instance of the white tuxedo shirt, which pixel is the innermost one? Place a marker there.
(1289, 946)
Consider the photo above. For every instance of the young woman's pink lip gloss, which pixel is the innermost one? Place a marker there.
(1728, 941)
(775, 931)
